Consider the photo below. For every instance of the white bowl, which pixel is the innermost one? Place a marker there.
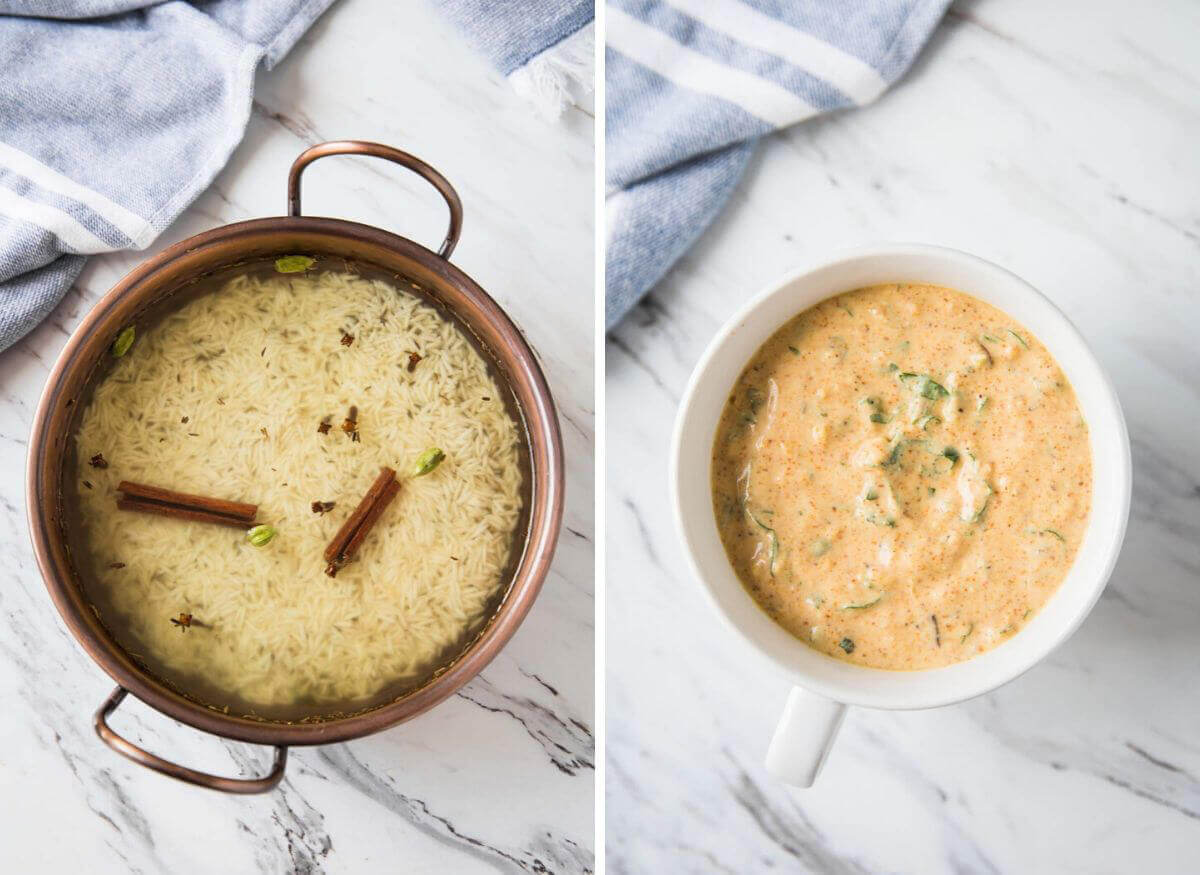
(826, 684)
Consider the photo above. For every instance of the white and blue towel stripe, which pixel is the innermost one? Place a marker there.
(116, 114)
(692, 84)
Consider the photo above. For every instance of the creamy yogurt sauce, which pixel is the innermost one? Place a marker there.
(902, 476)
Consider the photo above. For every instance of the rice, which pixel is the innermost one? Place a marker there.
(223, 398)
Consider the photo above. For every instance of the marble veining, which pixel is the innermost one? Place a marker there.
(1058, 140)
(499, 778)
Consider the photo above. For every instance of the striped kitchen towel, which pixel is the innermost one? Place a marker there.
(545, 48)
(691, 85)
(114, 116)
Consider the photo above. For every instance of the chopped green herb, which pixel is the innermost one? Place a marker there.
(294, 263)
(877, 414)
(896, 453)
(967, 634)
(924, 386)
(937, 632)
(986, 501)
(772, 538)
(951, 454)
(1055, 534)
(847, 645)
(1019, 338)
(123, 342)
(981, 403)
(858, 606)
(929, 419)
(842, 306)
(793, 349)
(819, 547)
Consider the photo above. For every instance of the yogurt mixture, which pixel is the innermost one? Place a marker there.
(902, 476)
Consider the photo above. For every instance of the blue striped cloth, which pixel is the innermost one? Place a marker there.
(691, 85)
(116, 114)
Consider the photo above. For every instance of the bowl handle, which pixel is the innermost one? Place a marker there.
(378, 150)
(142, 757)
(804, 737)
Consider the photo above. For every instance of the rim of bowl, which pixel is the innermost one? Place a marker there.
(532, 570)
(920, 688)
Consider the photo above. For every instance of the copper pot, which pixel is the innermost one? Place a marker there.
(178, 267)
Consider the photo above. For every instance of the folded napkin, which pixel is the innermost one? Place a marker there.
(114, 116)
(691, 85)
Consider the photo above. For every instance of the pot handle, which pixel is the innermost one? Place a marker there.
(378, 150)
(142, 757)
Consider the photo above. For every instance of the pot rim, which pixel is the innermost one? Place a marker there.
(532, 569)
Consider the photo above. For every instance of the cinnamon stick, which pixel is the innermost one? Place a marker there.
(377, 509)
(354, 531)
(244, 512)
(143, 498)
(141, 505)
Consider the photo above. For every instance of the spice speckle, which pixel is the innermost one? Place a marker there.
(350, 423)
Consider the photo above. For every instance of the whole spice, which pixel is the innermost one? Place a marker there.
(427, 461)
(322, 506)
(414, 359)
(347, 339)
(183, 622)
(350, 423)
(356, 527)
(124, 341)
(294, 263)
(98, 461)
(261, 535)
(325, 425)
(116, 564)
(165, 502)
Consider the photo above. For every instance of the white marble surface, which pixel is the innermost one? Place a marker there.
(1059, 140)
(501, 776)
